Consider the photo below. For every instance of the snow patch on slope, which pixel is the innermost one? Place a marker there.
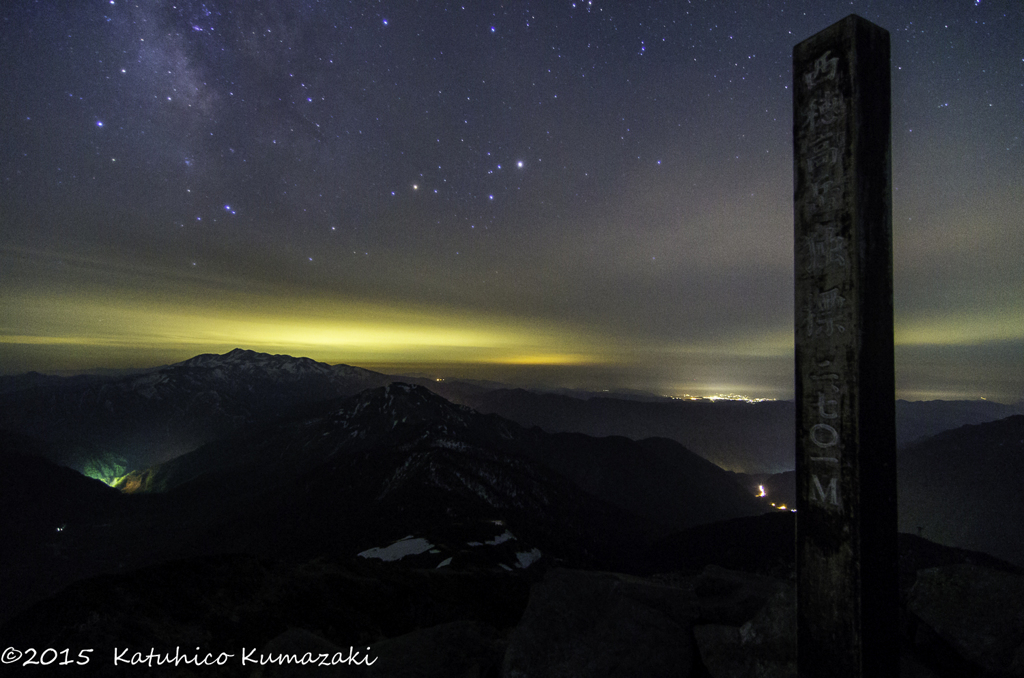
(527, 558)
(502, 538)
(407, 546)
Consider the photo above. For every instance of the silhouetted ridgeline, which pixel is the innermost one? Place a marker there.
(106, 426)
(368, 470)
(965, 488)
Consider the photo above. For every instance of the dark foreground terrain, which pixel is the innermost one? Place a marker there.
(725, 608)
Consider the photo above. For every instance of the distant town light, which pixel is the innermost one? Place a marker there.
(722, 396)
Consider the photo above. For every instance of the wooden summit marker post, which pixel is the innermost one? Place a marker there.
(847, 586)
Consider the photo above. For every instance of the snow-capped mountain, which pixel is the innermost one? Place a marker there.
(106, 426)
(241, 363)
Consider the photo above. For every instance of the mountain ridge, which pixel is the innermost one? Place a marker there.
(126, 423)
(106, 426)
(406, 417)
(961, 488)
(352, 475)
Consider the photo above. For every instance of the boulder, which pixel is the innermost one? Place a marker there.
(731, 597)
(602, 625)
(976, 611)
(459, 649)
(763, 647)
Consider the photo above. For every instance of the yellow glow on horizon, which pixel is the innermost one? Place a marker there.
(768, 344)
(960, 330)
(552, 359)
(353, 331)
(111, 314)
(950, 330)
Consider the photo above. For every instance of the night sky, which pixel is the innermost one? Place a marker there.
(587, 194)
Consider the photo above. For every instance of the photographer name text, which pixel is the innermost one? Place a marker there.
(153, 658)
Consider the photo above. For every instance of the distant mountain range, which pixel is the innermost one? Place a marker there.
(740, 436)
(965, 488)
(243, 406)
(732, 434)
(962, 488)
(656, 479)
(106, 426)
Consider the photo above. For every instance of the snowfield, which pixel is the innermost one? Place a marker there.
(407, 546)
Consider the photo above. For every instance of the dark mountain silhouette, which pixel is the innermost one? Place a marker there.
(403, 438)
(107, 426)
(755, 437)
(53, 493)
(392, 462)
(30, 380)
(47, 512)
(964, 488)
(920, 419)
